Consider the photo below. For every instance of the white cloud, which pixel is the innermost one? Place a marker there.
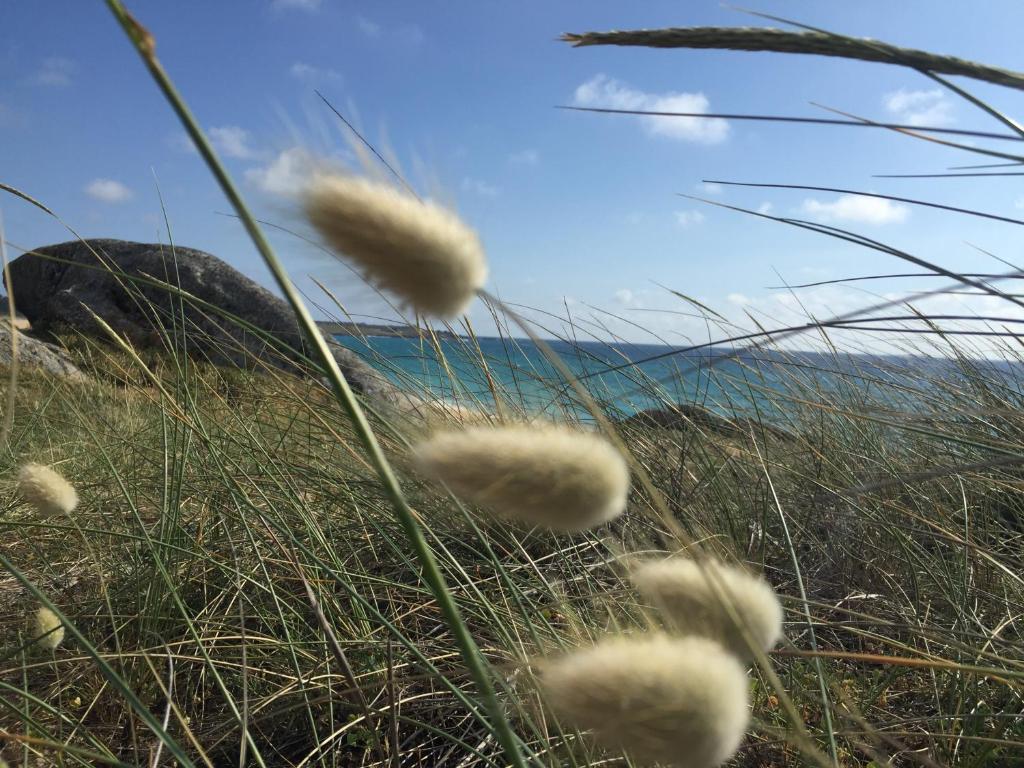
(302, 5)
(919, 107)
(1019, 203)
(478, 187)
(231, 140)
(782, 308)
(624, 296)
(710, 188)
(54, 72)
(765, 208)
(285, 175)
(369, 28)
(602, 91)
(180, 142)
(857, 209)
(300, 70)
(688, 218)
(108, 191)
(525, 157)
(407, 36)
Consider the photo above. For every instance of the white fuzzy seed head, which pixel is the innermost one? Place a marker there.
(680, 589)
(418, 250)
(46, 490)
(675, 701)
(546, 475)
(48, 629)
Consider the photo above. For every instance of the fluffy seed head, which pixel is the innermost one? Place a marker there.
(541, 474)
(48, 628)
(416, 249)
(677, 701)
(46, 490)
(689, 603)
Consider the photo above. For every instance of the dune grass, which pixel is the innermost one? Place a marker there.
(211, 502)
(239, 590)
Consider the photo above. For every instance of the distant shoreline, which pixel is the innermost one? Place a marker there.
(372, 329)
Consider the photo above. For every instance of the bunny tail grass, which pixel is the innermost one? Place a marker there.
(48, 628)
(682, 589)
(416, 249)
(552, 476)
(680, 702)
(46, 490)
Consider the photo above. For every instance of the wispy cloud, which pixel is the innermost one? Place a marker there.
(691, 218)
(54, 72)
(180, 142)
(919, 107)
(300, 70)
(407, 35)
(765, 208)
(624, 296)
(302, 5)
(369, 28)
(108, 191)
(525, 157)
(710, 188)
(478, 187)
(602, 91)
(857, 209)
(284, 175)
(232, 141)
(738, 299)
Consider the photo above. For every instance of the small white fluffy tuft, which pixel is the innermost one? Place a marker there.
(48, 629)
(46, 490)
(418, 250)
(676, 701)
(680, 589)
(545, 475)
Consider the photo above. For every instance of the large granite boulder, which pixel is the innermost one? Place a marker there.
(61, 287)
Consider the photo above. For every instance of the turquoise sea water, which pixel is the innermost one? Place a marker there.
(621, 378)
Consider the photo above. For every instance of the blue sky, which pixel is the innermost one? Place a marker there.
(576, 210)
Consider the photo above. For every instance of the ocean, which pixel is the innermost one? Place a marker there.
(627, 378)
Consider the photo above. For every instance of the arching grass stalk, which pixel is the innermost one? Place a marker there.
(471, 655)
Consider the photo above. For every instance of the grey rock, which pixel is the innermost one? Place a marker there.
(33, 353)
(64, 285)
(20, 321)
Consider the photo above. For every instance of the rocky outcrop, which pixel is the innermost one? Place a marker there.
(684, 418)
(33, 353)
(66, 286)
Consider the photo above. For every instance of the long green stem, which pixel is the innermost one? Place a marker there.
(471, 655)
(808, 41)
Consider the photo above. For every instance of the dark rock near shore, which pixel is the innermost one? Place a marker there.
(684, 418)
(63, 286)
